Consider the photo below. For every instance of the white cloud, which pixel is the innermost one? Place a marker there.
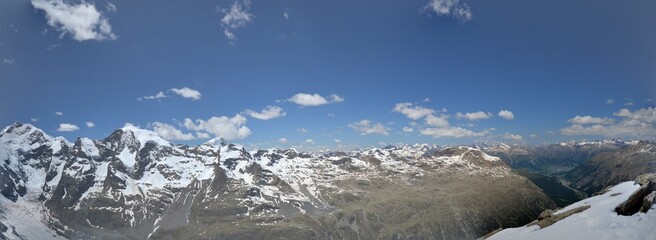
(452, 8)
(236, 17)
(83, 21)
(302, 130)
(610, 101)
(334, 98)
(647, 115)
(309, 141)
(67, 127)
(534, 135)
(111, 7)
(448, 131)
(307, 100)
(169, 132)
(590, 120)
(34, 119)
(229, 128)
(282, 140)
(513, 137)
(270, 112)
(202, 135)
(331, 114)
(285, 14)
(90, 124)
(474, 116)
(426, 99)
(438, 126)
(59, 113)
(365, 127)
(408, 129)
(506, 114)
(186, 92)
(639, 123)
(412, 112)
(153, 97)
(8, 61)
(439, 122)
(337, 141)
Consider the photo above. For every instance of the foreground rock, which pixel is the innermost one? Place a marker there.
(640, 200)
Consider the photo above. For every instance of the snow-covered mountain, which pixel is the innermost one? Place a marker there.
(134, 184)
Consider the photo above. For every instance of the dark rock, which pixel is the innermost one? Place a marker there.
(635, 202)
(648, 201)
(3, 228)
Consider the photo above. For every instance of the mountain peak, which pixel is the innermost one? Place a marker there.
(24, 130)
(217, 142)
(144, 136)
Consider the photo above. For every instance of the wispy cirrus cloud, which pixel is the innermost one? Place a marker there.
(184, 92)
(456, 9)
(158, 95)
(235, 17)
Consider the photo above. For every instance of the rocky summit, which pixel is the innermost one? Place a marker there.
(135, 185)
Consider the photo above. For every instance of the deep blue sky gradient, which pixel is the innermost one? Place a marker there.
(546, 61)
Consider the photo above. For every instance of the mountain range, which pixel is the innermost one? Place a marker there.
(135, 185)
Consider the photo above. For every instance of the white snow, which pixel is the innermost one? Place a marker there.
(144, 136)
(598, 222)
(127, 158)
(99, 181)
(88, 147)
(25, 218)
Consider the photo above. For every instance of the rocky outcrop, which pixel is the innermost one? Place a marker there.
(548, 218)
(642, 199)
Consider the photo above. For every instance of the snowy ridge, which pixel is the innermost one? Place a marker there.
(600, 221)
(137, 174)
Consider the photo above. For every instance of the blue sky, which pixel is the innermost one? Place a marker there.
(547, 62)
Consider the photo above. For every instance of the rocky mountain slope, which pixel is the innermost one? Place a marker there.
(135, 185)
(570, 171)
(612, 167)
(550, 159)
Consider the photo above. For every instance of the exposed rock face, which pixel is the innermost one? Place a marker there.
(136, 185)
(550, 218)
(642, 199)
